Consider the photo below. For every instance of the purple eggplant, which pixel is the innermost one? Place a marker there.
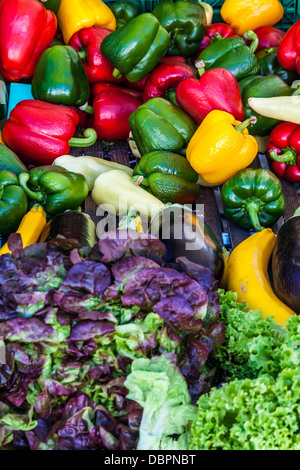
(185, 234)
(285, 267)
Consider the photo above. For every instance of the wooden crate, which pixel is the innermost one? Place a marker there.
(228, 234)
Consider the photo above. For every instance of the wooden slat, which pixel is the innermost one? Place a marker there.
(211, 214)
(120, 153)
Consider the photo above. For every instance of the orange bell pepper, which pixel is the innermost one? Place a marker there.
(244, 15)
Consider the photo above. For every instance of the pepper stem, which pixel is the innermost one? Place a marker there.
(295, 86)
(216, 37)
(89, 109)
(138, 179)
(200, 66)
(117, 73)
(89, 138)
(35, 195)
(82, 54)
(250, 35)
(289, 156)
(253, 208)
(242, 126)
(297, 212)
(269, 50)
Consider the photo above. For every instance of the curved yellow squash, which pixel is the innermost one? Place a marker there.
(248, 276)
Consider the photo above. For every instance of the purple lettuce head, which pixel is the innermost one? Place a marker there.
(116, 244)
(149, 286)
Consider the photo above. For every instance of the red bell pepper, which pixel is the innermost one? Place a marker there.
(141, 84)
(288, 52)
(221, 29)
(87, 42)
(268, 36)
(216, 89)
(39, 132)
(97, 88)
(283, 148)
(166, 77)
(112, 107)
(26, 30)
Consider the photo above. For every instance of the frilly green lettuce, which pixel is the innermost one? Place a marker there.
(159, 388)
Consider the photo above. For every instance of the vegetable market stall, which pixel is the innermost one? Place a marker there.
(103, 337)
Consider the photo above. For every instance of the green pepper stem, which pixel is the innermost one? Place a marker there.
(82, 54)
(242, 126)
(250, 35)
(297, 212)
(89, 138)
(138, 179)
(117, 73)
(253, 208)
(295, 86)
(35, 195)
(269, 50)
(216, 37)
(200, 66)
(289, 156)
(89, 109)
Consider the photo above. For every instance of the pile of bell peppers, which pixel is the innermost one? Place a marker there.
(171, 82)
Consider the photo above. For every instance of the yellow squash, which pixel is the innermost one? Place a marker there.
(74, 15)
(30, 227)
(248, 276)
(244, 15)
(220, 147)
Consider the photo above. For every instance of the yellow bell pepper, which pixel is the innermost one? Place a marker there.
(244, 15)
(74, 15)
(221, 147)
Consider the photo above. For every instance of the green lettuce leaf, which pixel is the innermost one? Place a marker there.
(159, 388)
(257, 414)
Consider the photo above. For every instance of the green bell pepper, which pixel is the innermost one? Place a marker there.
(13, 202)
(232, 54)
(136, 48)
(60, 77)
(124, 11)
(3, 97)
(261, 87)
(159, 124)
(168, 176)
(269, 65)
(52, 5)
(253, 198)
(10, 161)
(55, 188)
(185, 22)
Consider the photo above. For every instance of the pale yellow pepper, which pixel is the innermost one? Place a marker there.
(221, 147)
(244, 15)
(118, 194)
(74, 15)
(209, 11)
